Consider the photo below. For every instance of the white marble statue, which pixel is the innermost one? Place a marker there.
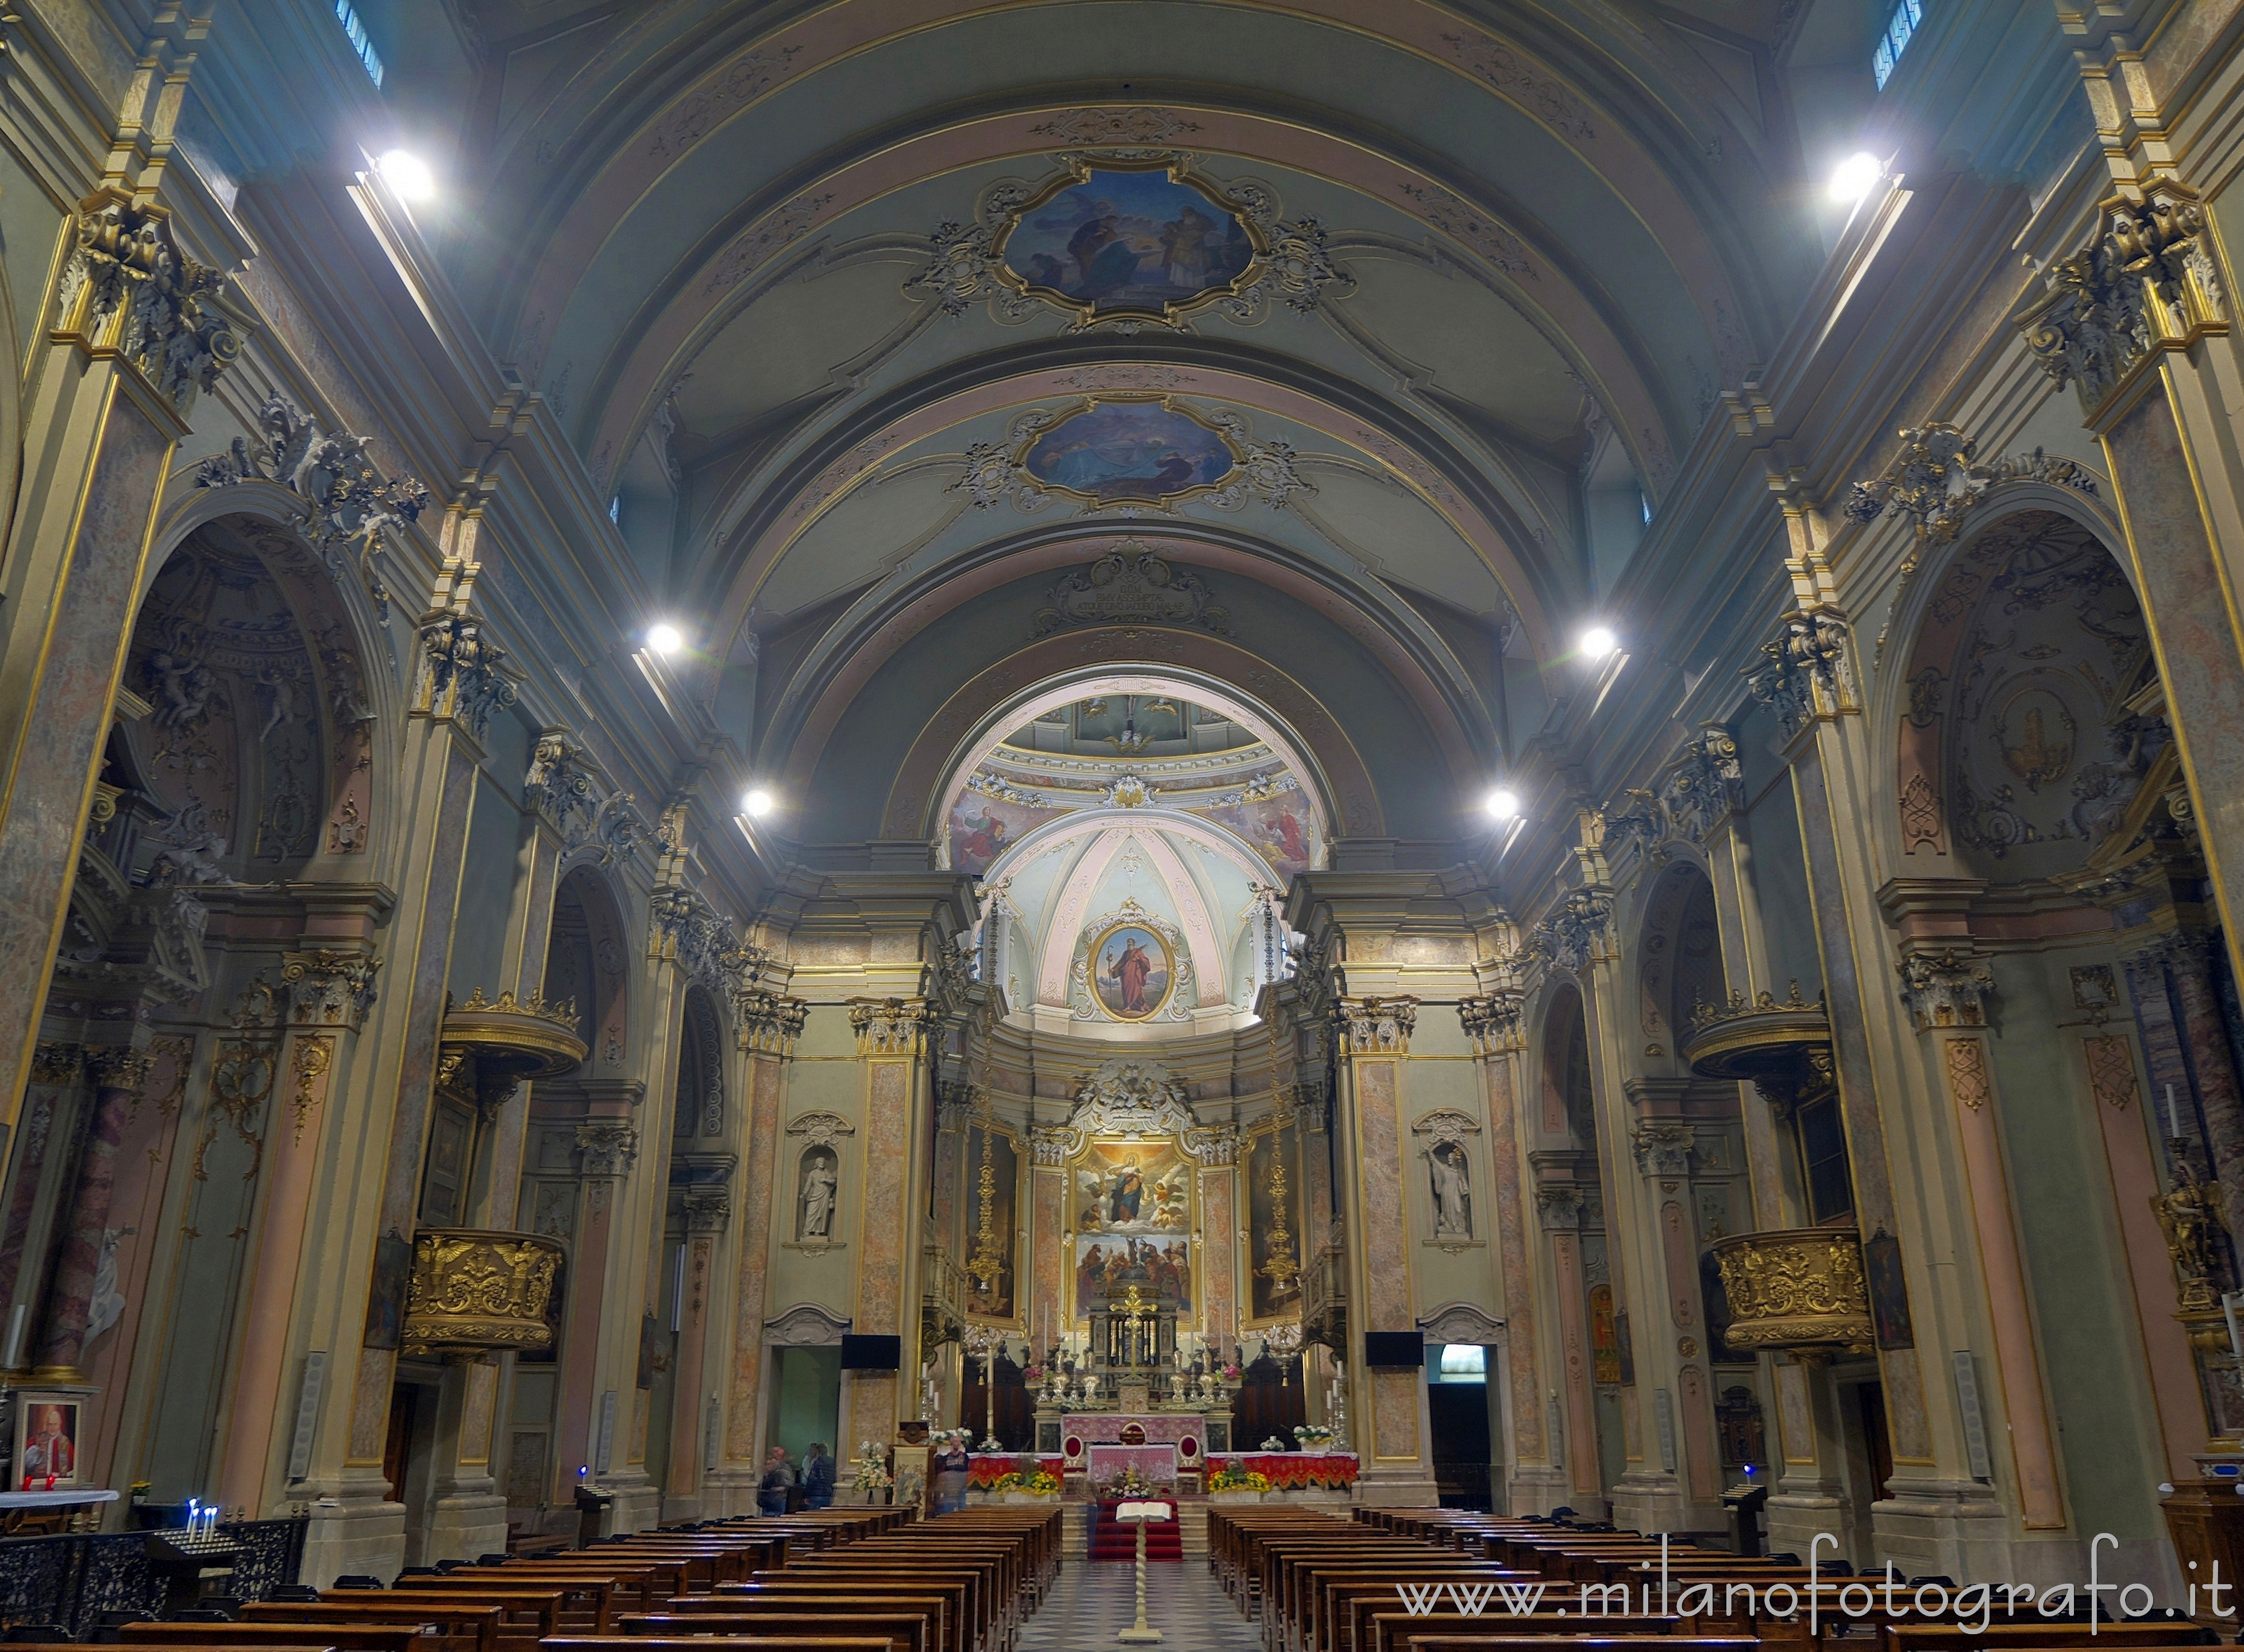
(1452, 1193)
(819, 1182)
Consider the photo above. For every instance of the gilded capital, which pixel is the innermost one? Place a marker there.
(462, 677)
(329, 988)
(124, 1069)
(1662, 1147)
(1560, 1205)
(564, 787)
(126, 286)
(769, 1022)
(1496, 1022)
(708, 1210)
(1948, 988)
(1375, 1025)
(56, 1063)
(892, 1025)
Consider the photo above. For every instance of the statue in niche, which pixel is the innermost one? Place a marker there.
(819, 1180)
(1452, 1185)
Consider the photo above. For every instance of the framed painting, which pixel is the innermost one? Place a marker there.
(1129, 450)
(1132, 972)
(1109, 1265)
(1111, 238)
(45, 1446)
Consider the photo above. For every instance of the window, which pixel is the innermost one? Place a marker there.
(1644, 500)
(372, 58)
(1900, 25)
(1463, 1362)
(1823, 1159)
(616, 509)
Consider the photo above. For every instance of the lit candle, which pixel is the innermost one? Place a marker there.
(2173, 1115)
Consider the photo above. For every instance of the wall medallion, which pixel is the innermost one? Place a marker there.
(1133, 971)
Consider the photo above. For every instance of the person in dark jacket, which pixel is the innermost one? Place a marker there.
(779, 1479)
(818, 1472)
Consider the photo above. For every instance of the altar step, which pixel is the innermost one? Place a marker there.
(1113, 1540)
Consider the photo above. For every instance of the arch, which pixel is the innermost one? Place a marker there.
(701, 1102)
(847, 656)
(1679, 954)
(1299, 725)
(1568, 1104)
(2033, 621)
(588, 960)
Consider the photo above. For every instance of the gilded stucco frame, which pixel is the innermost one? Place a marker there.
(1023, 1218)
(1078, 1317)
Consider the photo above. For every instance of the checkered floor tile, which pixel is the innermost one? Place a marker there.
(1088, 1603)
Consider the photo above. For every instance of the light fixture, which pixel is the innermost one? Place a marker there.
(665, 639)
(1502, 804)
(407, 174)
(758, 802)
(1856, 176)
(1596, 643)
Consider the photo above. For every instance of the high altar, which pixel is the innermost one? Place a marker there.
(1136, 1316)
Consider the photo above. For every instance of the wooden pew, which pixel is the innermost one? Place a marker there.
(481, 1624)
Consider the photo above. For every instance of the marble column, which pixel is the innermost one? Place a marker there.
(106, 396)
(607, 1148)
(894, 1038)
(708, 1210)
(1386, 1407)
(1559, 1205)
(1494, 1026)
(117, 1075)
(329, 992)
(769, 1026)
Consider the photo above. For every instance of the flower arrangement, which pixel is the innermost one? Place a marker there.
(1294, 1471)
(1033, 1374)
(1128, 1482)
(872, 1473)
(1041, 1484)
(1313, 1436)
(1235, 1476)
(1233, 1373)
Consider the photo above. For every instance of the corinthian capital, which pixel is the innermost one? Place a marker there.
(1948, 988)
(892, 1025)
(462, 677)
(1494, 1023)
(1375, 1025)
(770, 1023)
(329, 988)
(606, 1147)
(124, 1069)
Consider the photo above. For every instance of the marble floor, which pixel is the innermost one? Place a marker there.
(1088, 1603)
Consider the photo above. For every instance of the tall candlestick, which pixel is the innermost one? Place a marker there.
(2173, 1115)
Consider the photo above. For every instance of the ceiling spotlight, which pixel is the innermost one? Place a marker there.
(1502, 804)
(1856, 176)
(665, 639)
(758, 802)
(1597, 642)
(407, 174)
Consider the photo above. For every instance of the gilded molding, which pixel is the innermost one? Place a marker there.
(1967, 1072)
(1800, 1291)
(1375, 1025)
(474, 1291)
(892, 1025)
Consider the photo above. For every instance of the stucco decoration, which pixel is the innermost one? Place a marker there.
(1461, 1322)
(1129, 452)
(806, 1326)
(1084, 997)
(1131, 586)
(2028, 743)
(1133, 1098)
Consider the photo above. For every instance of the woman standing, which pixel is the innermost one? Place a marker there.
(778, 1481)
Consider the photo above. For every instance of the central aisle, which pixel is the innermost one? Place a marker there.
(1088, 1603)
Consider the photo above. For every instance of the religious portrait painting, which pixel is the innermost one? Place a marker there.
(1132, 1188)
(982, 828)
(1107, 1266)
(1129, 450)
(1132, 972)
(1107, 238)
(1273, 1163)
(1281, 828)
(46, 1444)
(992, 1207)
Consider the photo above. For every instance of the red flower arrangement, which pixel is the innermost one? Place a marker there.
(1297, 1471)
(983, 1473)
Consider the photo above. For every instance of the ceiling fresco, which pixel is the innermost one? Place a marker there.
(870, 317)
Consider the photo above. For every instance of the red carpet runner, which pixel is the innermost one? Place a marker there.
(1111, 1541)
